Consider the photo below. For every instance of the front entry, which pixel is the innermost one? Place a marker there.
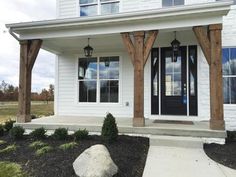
(173, 82)
(177, 92)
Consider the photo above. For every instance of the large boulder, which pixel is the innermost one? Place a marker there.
(95, 162)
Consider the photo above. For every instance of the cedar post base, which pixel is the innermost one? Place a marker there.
(23, 118)
(217, 124)
(138, 122)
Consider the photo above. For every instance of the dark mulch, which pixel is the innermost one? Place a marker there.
(129, 154)
(223, 154)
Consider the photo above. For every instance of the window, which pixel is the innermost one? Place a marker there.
(98, 7)
(166, 3)
(229, 75)
(99, 76)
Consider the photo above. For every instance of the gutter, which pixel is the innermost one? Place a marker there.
(13, 34)
(122, 17)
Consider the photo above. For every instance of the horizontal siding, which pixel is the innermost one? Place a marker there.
(66, 8)
(228, 40)
(67, 91)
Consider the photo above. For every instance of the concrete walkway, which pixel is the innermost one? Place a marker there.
(163, 161)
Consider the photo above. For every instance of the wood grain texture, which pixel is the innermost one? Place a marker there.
(28, 54)
(204, 41)
(128, 45)
(216, 80)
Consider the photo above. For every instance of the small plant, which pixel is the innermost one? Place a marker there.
(1, 130)
(68, 146)
(17, 132)
(33, 116)
(231, 136)
(9, 169)
(109, 128)
(81, 134)
(9, 125)
(8, 149)
(43, 150)
(61, 134)
(37, 145)
(38, 133)
(2, 142)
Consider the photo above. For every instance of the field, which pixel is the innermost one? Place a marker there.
(8, 110)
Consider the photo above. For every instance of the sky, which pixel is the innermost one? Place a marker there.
(12, 11)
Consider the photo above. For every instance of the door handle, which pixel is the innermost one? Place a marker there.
(185, 94)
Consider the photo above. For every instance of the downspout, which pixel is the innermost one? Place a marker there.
(13, 34)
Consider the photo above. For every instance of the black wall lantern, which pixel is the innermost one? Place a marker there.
(88, 50)
(175, 48)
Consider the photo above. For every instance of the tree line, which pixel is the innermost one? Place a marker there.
(9, 92)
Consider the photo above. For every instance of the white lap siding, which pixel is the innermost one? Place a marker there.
(229, 40)
(68, 91)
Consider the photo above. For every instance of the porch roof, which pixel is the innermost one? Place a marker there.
(165, 19)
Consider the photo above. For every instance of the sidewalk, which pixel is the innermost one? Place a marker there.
(163, 161)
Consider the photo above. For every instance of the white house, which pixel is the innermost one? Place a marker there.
(177, 83)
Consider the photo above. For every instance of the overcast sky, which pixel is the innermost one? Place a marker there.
(12, 11)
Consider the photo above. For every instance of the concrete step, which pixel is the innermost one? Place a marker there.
(176, 141)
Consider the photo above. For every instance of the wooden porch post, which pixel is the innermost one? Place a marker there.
(139, 53)
(210, 42)
(28, 53)
(216, 80)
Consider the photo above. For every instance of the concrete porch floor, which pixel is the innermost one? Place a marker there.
(94, 124)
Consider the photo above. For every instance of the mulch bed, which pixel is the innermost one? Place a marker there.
(128, 153)
(223, 154)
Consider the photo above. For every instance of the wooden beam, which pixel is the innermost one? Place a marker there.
(152, 35)
(129, 45)
(216, 80)
(28, 53)
(138, 120)
(204, 41)
(33, 51)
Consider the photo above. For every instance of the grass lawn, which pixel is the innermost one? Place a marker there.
(9, 109)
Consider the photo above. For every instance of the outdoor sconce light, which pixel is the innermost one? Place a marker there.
(107, 63)
(88, 50)
(175, 48)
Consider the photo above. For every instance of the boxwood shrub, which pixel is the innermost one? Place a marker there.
(38, 133)
(61, 134)
(17, 132)
(81, 134)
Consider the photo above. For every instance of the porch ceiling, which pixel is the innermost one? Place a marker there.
(66, 34)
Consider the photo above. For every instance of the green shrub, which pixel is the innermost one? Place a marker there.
(37, 145)
(1, 130)
(231, 136)
(43, 150)
(8, 149)
(17, 132)
(68, 146)
(109, 128)
(38, 133)
(81, 134)
(33, 116)
(9, 125)
(61, 134)
(9, 169)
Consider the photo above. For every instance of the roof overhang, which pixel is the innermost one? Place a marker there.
(179, 17)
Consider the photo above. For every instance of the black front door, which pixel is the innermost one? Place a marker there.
(173, 82)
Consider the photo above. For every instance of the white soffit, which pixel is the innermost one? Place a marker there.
(179, 17)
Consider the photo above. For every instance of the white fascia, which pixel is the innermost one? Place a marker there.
(161, 19)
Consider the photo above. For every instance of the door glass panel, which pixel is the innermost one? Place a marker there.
(233, 61)
(155, 77)
(192, 71)
(172, 76)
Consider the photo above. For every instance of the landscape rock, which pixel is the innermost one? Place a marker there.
(95, 162)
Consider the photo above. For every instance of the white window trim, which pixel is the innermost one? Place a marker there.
(98, 56)
(173, 4)
(99, 3)
(229, 76)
